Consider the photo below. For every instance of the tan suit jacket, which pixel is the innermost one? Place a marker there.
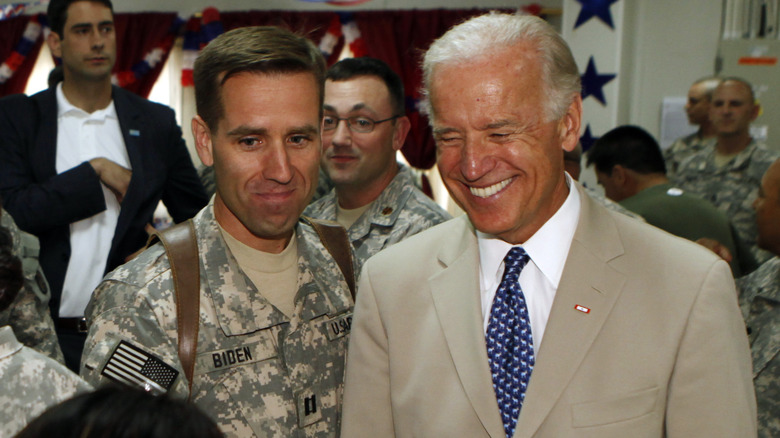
(662, 353)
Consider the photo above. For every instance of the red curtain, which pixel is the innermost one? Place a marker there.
(12, 30)
(136, 36)
(400, 38)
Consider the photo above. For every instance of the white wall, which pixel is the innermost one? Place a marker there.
(673, 44)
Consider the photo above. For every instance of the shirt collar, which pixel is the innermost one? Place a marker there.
(547, 248)
(65, 108)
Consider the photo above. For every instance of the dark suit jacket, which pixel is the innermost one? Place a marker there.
(662, 352)
(45, 204)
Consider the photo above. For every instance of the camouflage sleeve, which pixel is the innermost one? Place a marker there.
(33, 383)
(31, 322)
(29, 314)
(132, 339)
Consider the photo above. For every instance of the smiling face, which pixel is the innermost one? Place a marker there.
(361, 160)
(88, 43)
(500, 159)
(265, 152)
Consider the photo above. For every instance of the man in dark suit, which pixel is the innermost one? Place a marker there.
(85, 164)
(539, 313)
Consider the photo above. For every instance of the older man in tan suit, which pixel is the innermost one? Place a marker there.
(600, 326)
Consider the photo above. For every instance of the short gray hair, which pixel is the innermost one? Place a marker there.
(485, 34)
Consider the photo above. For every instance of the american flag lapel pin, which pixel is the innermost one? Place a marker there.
(582, 308)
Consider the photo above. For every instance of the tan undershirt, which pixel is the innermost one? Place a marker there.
(346, 217)
(274, 275)
(722, 159)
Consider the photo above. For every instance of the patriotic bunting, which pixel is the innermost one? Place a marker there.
(331, 37)
(31, 34)
(151, 58)
(352, 35)
(16, 9)
(199, 32)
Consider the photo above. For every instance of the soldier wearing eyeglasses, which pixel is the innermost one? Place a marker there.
(364, 125)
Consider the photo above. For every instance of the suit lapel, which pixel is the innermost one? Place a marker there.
(45, 147)
(589, 282)
(132, 129)
(456, 298)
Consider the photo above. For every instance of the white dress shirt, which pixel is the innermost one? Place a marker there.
(82, 136)
(547, 249)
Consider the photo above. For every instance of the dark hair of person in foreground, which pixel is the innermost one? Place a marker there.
(122, 412)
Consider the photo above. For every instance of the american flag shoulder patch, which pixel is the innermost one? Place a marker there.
(132, 366)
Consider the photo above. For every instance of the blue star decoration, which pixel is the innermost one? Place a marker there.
(587, 139)
(593, 83)
(595, 8)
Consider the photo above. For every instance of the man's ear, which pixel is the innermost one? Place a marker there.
(570, 124)
(203, 142)
(55, 44)
(402, 127)
(756, 111)
(619, 175)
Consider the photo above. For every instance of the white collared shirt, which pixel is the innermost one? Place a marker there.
(547, 248)
(81, 137)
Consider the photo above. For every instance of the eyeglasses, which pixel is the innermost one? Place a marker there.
(360, 124)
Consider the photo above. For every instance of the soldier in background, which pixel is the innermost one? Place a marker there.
(29, 381)
(629, 165)
(269, 362)
(572, 164)
(698, 111)
(729, 173)
(374, 196)
(760, 303)
(28, 315)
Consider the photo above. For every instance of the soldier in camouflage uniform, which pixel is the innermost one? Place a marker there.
(401, 210)
(29, 315)
(729, 174)
(684, 147)
(760, 303)
(29, 381)
(697, 109)
(374, 197)
(270, 354)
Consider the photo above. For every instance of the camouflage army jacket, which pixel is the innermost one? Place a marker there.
(400, 211)
(760, 303)
(731, 188)
(257, 372)
(29, 315)
(29, 383)
(683, 148)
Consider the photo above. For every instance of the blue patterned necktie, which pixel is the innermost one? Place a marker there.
(509, 342)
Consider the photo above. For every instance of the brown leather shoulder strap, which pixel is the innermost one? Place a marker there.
(336, 241)
(182, 248)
